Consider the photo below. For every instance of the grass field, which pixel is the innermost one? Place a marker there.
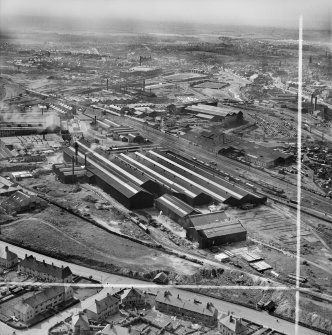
(60, 233)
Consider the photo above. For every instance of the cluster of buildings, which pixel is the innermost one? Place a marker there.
(36, 302)
(173, 184)
(20, 202)
(40, 302)
(166, 302)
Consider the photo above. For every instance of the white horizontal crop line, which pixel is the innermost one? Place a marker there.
(197, 175)
(155, 286)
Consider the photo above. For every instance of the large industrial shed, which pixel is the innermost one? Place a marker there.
(214, 229)
(146, 182)
(123, 170)
(176, 186)
(124, 191)
(208, 182)
(175, 209)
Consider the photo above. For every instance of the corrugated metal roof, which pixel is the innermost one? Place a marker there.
(176, 205)
(159, 177)
(190, 181)
(199, 176)
(128, 188)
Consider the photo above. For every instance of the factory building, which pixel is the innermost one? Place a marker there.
(113, 180)
(214, 229)
(195, 311)
(207, 181)
(170, 182)
(135, 178)
(72, 174)
(218, 114)
(175, 209)
(258, 155)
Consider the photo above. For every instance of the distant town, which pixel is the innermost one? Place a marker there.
(149, 184)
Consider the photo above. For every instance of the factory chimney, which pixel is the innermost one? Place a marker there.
(107, 84)
(315, 103)
(84, 160)
(143, 85)
(73, 167)
(140, 60)
(95, 119)
(76, 152)
(312, 98)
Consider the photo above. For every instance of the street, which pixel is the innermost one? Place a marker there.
(109, 279)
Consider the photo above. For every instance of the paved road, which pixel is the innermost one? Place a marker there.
(115, 280)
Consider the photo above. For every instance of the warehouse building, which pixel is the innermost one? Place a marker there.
(258, 155)
(72, 174)
(121, 188)
(195, 311)
(219, 114)
(214, 229)
(170, 183)
(175, 208)
(201, 178)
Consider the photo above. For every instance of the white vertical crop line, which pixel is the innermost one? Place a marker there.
(299, 174)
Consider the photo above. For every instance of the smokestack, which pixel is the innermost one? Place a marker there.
(73, 168)
(140, 60)
(95, 119)
(312, 98)
(44, 136)
(85, 160)
(76, 148)
(315, 103)
(107, 84)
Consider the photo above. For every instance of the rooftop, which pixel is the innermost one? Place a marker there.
(43, 267)
(204, 308)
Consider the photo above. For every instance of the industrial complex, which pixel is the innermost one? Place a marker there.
(151, 178)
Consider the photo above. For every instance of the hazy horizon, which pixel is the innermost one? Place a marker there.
(251, 13)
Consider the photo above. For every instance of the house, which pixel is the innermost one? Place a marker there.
(195, 311)
(229, 325)
(102, 309)
(111, 329)
(8, 259)
(80, 324)
(48, 272)
(49, 298)
(161, 278)
(131, 298)
(21, 202)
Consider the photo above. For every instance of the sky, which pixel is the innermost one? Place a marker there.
(279, 13)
